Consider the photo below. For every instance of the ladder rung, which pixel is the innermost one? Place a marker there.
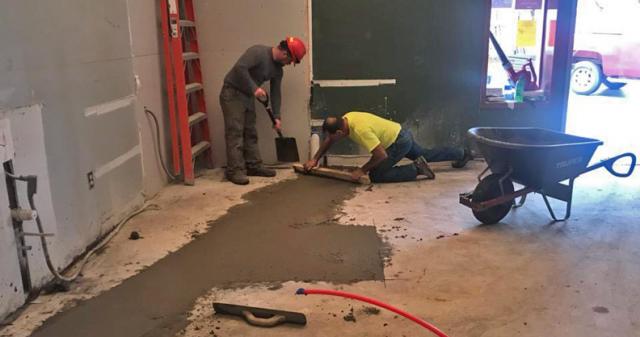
(189, 56)
(187, 23)
(199, 148)
(196, 117)
(191, 87)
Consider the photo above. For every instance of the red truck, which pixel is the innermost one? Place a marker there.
(606, 46)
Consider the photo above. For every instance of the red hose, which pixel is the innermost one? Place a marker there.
(417, 320)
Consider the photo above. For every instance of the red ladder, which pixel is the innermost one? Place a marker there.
(185, 94)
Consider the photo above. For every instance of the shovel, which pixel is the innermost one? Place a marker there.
(286, 147)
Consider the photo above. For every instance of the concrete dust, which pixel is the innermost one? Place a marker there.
(350, 317)
(254, 242)
(601, 310)
(371, 310)
(135, 236)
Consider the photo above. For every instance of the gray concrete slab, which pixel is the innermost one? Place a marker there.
(525, 276)
(283, 232)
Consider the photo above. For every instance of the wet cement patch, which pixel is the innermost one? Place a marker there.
(284, 232)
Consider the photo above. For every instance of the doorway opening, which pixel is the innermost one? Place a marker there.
(604, 100)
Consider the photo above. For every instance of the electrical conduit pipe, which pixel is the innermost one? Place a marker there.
(415, 319)
(31, 191)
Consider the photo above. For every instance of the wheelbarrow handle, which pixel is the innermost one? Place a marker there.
(608, 164)
(270, 112)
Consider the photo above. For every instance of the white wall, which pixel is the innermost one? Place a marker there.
(11, 290)
(68, 87)
(225, 30)
(148, 67)
(30, 158)
(74, 78)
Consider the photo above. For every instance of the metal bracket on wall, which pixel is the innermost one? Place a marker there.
(21, 246)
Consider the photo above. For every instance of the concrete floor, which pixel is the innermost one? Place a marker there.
(525, 276)
(184, 214)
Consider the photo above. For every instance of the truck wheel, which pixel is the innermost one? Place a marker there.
(586, 77)
(487, 189)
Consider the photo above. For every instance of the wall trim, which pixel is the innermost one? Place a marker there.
(354, 83)
(106, 168)
(103, 108)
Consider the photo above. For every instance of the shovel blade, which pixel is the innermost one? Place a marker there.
(287, 150)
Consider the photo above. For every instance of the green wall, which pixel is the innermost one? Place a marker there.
(435, 49)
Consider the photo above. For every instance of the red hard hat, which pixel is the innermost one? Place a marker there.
(296, 48)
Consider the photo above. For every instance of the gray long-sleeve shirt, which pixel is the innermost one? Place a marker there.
(252, 69)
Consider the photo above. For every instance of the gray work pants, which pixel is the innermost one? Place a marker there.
(240, 131)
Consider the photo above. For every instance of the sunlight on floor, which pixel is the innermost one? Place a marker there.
(612, 116)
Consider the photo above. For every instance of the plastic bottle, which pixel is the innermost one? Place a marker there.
(508, 93)
(519, 92)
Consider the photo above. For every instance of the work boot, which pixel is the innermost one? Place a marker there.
(465, 159)
(423, 168)
(237, 177)
(261, 171)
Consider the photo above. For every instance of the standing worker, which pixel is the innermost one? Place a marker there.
(241, 84)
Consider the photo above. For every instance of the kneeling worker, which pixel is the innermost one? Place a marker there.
(388, 143)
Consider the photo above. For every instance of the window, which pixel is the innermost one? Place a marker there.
(525, 31)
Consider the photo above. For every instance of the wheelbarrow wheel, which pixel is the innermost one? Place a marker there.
(487, 189)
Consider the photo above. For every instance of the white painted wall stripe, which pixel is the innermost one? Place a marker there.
(104, 108)
(106, 168)
(354, 83)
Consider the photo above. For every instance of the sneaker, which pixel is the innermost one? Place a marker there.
(423, 168)
(261, 171)
(465, 159)
(238, 178)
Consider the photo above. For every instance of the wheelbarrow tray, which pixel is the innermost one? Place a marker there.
(540, 160)
(536, 157)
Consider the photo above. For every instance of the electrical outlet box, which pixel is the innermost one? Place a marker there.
(91, 180)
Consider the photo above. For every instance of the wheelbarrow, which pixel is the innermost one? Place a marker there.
(538, 159)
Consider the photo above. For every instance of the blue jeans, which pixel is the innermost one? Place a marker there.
(405, 146)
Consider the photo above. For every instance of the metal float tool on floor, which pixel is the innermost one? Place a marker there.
(260, 316)
(331, 173)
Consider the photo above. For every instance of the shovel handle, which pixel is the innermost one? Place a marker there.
(270, 112)
(263, 322)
